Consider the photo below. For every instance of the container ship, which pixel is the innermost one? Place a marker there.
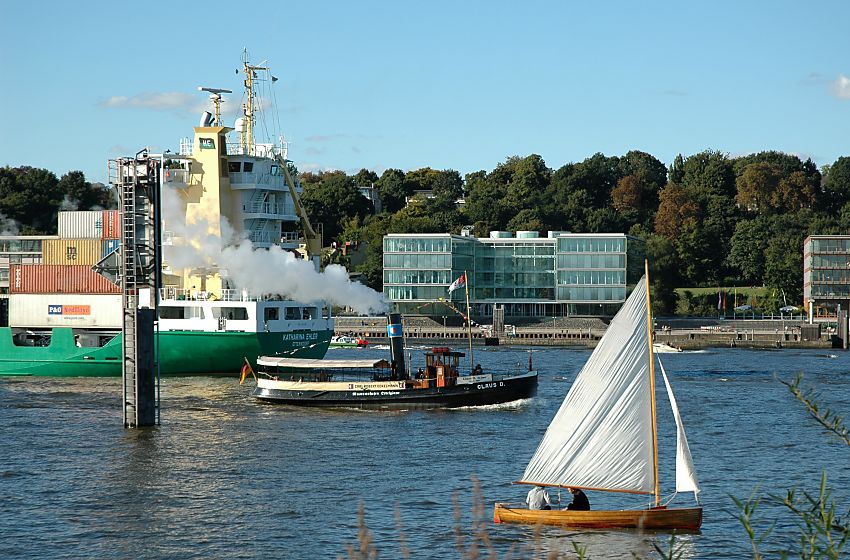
(64, 317)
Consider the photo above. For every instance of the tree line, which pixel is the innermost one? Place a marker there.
(708, 219)
(31, 198)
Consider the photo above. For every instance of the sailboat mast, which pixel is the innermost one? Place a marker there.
(652, 384)
(468, 321)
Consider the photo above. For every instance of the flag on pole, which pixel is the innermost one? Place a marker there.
(246, 369)
(459, 283)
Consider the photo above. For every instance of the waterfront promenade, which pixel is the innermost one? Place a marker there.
(687, 334)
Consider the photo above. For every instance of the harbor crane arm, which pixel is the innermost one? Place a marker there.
(312, 241)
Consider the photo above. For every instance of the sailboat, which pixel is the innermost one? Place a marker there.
(604, 436)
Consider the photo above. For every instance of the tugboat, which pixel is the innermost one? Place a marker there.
(386, 384)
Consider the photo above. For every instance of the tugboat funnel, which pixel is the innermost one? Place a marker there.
(396, 336)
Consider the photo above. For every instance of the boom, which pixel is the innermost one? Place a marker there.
(312, 241)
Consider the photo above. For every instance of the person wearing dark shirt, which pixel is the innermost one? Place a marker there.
(580, 501)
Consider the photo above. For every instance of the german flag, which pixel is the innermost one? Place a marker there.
(246, 369)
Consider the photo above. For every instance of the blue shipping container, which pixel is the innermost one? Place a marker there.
(109, 245)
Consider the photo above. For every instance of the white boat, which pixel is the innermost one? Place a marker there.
(345, 341)
(604, 436)
(664, 348)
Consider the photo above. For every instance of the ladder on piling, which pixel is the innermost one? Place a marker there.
(138, 182)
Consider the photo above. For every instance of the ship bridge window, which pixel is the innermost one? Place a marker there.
(275, 170)
(293, 313)
(309, 313)
(248, 167)
(234, 166)
(235, 313)
(271, 314)
(181, 312)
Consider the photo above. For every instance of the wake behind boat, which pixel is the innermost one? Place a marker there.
(604, 436)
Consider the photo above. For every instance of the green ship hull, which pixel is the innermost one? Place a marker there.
(181, 353)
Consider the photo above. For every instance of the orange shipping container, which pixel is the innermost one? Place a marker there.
(71, 251)
(58, 279)
(111, 224)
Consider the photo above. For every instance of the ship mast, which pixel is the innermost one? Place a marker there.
(246, 137)
(652, 386)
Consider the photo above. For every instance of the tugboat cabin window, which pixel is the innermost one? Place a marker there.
(234, 166)
(234, 313)
(187, 312)
(293, 313)
(248, 166)
(271, 314)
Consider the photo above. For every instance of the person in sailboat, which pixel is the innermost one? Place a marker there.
(580, 501)
(538, 498)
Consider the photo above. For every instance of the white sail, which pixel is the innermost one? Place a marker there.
(686, 476)
(601, 437)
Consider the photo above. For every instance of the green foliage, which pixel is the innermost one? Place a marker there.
(836, 184)
(32, 197)
(330, 198)
(392, 189)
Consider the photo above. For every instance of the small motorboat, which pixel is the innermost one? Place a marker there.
(345, 341)
(664, 348)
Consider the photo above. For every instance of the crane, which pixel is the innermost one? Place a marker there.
(312, 241)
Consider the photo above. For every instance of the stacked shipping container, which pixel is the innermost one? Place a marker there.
(58, 279)
(90, 224)
(71, 251)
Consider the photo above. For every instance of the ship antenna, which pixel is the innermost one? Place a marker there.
(215, 95)
(246, 140)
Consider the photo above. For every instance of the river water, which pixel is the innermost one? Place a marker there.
(227, 477)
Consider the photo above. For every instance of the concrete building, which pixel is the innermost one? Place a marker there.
(562, 274)
(826, 274)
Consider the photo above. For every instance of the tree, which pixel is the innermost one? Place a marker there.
(836, 184)
(365, 178)
(747, 247)
(31, 197)
(708, 173)
(484, 205)
(627, 196)
(527, 219)
(82, 195)
(528, 182)
(392, 189)
(784, 264)
(756, 186)
(333, 200)
(675, 210)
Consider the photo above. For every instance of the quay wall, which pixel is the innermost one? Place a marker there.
(766, 335)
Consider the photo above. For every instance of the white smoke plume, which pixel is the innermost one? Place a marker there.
(8, 226)
(259, 271)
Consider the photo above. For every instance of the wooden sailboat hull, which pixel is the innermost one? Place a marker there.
(659, 519)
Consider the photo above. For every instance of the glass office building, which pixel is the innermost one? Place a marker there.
(826, 273)
(563, 274)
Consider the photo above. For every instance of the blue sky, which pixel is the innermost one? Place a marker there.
(451, 85)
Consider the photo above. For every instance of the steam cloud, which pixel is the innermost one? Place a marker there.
(272, 271)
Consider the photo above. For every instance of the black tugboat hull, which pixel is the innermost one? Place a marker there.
(472, 394)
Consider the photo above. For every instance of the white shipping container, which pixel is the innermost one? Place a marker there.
(65, 310)
(81, 224)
